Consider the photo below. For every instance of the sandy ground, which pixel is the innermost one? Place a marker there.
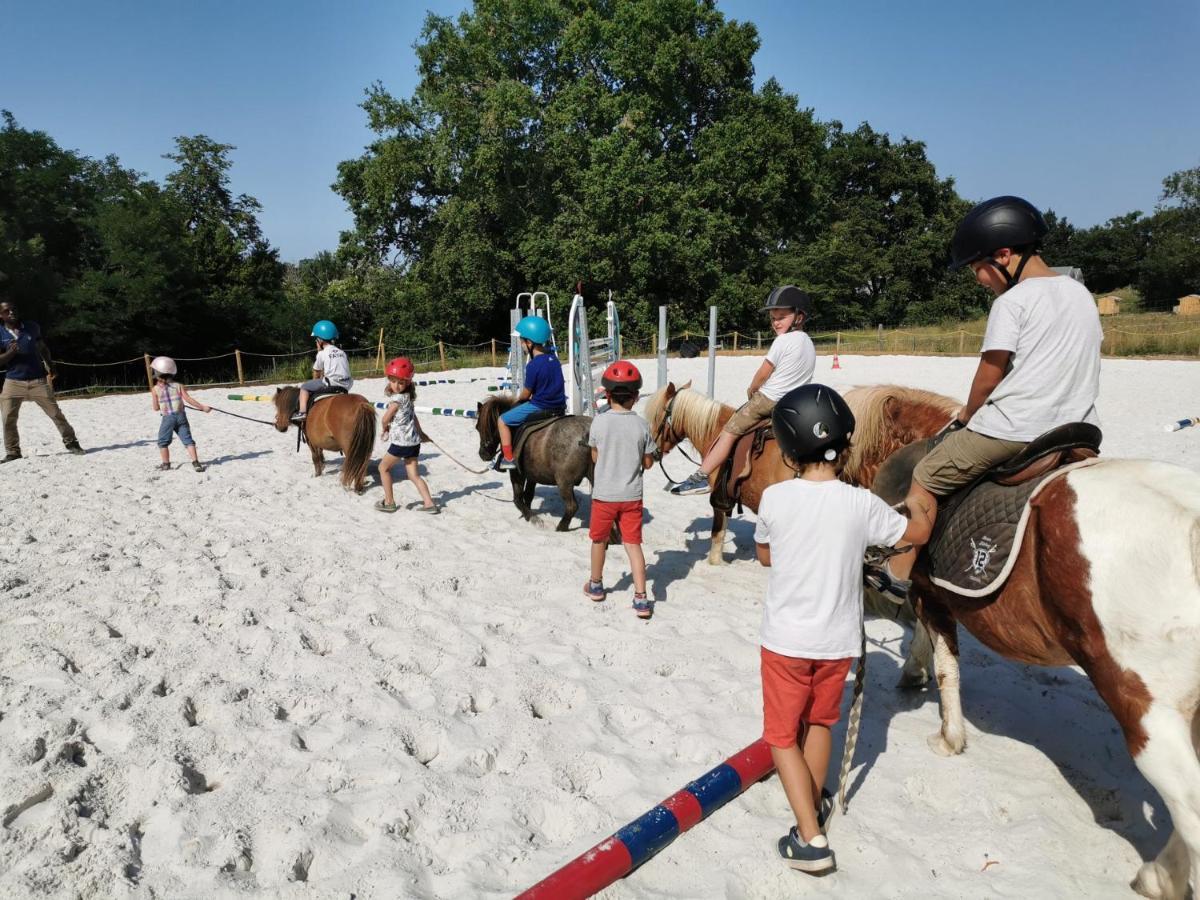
(248, 682)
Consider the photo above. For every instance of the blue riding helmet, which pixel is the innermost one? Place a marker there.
(533, 328)
(325, 330)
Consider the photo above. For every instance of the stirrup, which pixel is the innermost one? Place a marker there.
(880, 577)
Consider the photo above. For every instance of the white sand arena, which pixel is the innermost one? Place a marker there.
(249, 682)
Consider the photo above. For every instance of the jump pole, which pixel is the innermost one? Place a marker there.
(621, 853)
(712, 351)
(262, 398)
(436, 410)
(662, 347)
(1182, 424)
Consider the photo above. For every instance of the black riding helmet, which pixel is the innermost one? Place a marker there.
(812, 423)
(999, 222)
(789, 297)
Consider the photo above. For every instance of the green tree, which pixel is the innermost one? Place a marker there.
(1171, 265)
(618, 144)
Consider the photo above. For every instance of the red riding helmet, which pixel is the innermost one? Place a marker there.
(400, 367)
(622, 374)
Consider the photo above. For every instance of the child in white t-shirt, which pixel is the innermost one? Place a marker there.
(1039, 366)
(789, 364)
(812, 531)
(403, 432)
(331, 368)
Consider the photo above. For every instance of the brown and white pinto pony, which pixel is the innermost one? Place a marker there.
(1107, 578)
(887, 417)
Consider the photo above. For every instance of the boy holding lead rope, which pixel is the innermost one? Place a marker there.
(812, 531)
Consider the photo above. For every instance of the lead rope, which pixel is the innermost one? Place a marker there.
(461, 465)
(247, 418)
(852, 726)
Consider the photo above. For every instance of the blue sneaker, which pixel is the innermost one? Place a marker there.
(642, 606)
(805, 857)
(594, 590)
(696, 483)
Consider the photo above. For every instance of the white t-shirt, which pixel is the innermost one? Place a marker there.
(795, 359)
(403, 429)
(818, 531)
(1052, 328)
(333, 362)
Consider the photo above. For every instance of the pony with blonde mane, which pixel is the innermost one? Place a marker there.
(887, 417)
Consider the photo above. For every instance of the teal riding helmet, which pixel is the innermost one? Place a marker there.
(325, 330)
(533, 328)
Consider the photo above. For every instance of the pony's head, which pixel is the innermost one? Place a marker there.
(488, 414)
(678, 414)
(287, 401)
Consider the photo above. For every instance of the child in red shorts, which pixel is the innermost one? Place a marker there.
(812, 531)
(621, 450)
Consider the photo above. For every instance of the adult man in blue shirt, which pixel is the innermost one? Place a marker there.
(29, 370)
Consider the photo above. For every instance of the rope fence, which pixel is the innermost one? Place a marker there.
(239, 368)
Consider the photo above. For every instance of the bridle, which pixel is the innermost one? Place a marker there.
(666, 429)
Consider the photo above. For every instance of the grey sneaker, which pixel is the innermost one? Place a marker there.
(881, 578)
(696, 483)
(805, 857)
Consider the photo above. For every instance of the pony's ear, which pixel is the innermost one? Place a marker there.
(684, 387)
(670, 390)
(478, 407)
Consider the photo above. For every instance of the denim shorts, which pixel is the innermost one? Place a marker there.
(175, 423)
(519, 414)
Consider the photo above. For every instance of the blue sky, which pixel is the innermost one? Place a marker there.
(1081, 107)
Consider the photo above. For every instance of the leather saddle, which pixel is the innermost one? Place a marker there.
(978, 526)
(727, 492)
(532, 425)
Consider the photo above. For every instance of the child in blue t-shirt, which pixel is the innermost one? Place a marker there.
(544, 386)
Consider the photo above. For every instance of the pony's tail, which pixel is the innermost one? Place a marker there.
(362, 440)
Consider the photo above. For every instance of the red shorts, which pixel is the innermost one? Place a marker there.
(799, 690)
(626, 513)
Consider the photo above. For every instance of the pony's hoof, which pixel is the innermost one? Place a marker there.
(942, 747)
(1154, 882)
(564, 526)
(912, 681)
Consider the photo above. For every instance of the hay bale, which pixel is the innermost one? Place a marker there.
(1189, 305)
(1109, 306)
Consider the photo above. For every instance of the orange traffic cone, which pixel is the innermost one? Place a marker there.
(835, 362)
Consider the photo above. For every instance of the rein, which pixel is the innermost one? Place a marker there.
(237, 416)
(666, 428)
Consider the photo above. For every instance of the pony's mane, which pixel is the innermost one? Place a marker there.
(493, 407)
(873, 431)
(693, 413)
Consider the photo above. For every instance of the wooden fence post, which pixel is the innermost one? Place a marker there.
(735, 340)
(962, 337)
(442, 354)
(237, 354)
(758, 340)
(493, 353)
(880, 333)
(382, 352)
(837, 348)
(149, 373)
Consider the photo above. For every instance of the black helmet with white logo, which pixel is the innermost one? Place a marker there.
(999, 222)
(812, 423)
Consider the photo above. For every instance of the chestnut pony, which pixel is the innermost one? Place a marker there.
(901, 416)
(343, 422)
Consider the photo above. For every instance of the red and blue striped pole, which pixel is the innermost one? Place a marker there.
(621, 853)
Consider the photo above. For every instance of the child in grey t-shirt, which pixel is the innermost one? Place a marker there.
(621, 450)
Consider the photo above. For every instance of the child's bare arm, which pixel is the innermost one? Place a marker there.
(764, 553)
(920, 526)
(193, 403)
(154, 400)
(595, 454)
(647, 461)
(760, 377)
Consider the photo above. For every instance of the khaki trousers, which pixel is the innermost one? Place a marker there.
(36, 391)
